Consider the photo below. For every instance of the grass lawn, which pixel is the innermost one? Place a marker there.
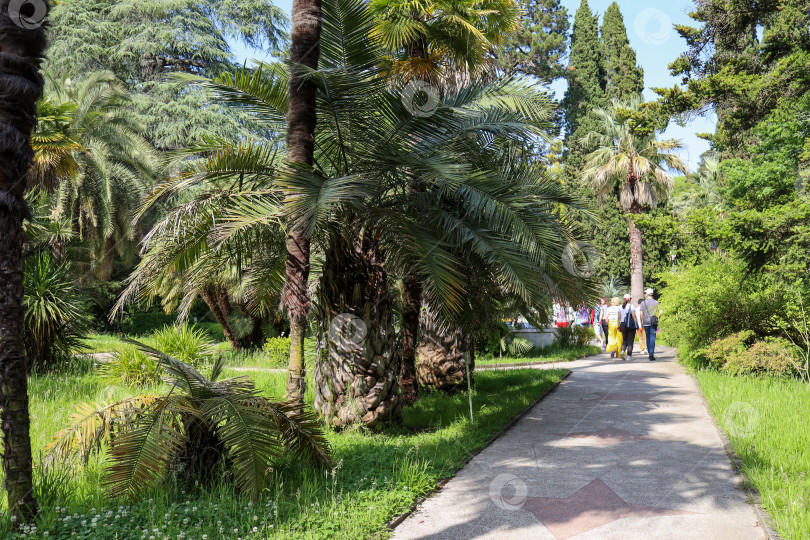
(376, 476)
(102, 343)
(766, 421)
(547, 354)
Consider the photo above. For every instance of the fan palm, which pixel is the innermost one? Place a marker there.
(89, 149)
(637, 164)
(432, 41)
(22, 42)
(704, 189)
(199, 422)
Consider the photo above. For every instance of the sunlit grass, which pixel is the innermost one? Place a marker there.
(551, 353)
(376, 475)
(766, 421)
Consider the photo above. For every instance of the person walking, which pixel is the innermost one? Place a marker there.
(651, 312)
(642, 337)
(597, 326)
(628, 325)
(603, 319)
(614, 313)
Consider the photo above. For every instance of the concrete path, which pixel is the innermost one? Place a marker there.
(621, 450)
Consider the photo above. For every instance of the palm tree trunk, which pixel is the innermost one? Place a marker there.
(411, 305)
(13, 369)
(358, 355)
(441, 355)
(301, 118)
(211, 297)
(636, 268)
(21, 48)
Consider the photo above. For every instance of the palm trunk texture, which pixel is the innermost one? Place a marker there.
(356, 375)
(636, 265)
(21, 48)
(301, 118)
(441, 355)
(411, 305)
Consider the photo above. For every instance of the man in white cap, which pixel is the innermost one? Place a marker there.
(627, 325)
(650, 312)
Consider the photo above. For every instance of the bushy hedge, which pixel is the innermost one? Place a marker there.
(140, 324)
(713, 300)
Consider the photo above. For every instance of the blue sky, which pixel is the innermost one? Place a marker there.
(649, 28)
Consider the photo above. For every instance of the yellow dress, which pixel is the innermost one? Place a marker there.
(614, 335)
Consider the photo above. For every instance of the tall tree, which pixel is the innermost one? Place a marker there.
(744, 60)
(22, 44)
(636, 167)
(586, 86)
(143, 41)
(305, 51)
(625, 79)
(540, 43)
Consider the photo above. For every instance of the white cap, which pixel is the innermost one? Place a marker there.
(649, 291)
(627, 297)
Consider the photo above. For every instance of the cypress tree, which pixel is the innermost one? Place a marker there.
(624, 78)
(586, 85)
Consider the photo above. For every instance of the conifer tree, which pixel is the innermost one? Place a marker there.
(143, 41)
(541, 42)
(625, 79)
(586, 85)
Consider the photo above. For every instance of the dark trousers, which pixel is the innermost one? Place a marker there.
(628, 339)
(650, 331)
(605, 329)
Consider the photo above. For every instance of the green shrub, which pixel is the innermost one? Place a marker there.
(140, 324)
(775, 356)
(214, 330)
(130, 366)
(574, 337)
(713, 300)
(278, 348)
(55, 319)
(718, 353)
(186, 343)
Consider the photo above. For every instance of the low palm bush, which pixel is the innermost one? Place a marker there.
(279, 350)
(131, 367)
(55, 316)
(186, 343)
(198, 430)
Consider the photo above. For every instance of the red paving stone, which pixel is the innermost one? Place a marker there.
(590, 507)
(609, 435)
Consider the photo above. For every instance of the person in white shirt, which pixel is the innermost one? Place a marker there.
(628, 325)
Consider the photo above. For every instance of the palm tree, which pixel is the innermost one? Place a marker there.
(23, 42)
(199, 425)
(704, 188)
(633, 164)
(366, 222)
(305, 52)
(90, 151)
(442, 44)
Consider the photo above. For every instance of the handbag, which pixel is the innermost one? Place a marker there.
(630, 321)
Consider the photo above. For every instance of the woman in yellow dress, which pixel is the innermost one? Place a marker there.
(614, 335)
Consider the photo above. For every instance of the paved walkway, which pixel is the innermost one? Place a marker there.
(621, 450)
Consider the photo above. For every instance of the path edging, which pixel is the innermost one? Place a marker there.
(394, 523)
(763, 517)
